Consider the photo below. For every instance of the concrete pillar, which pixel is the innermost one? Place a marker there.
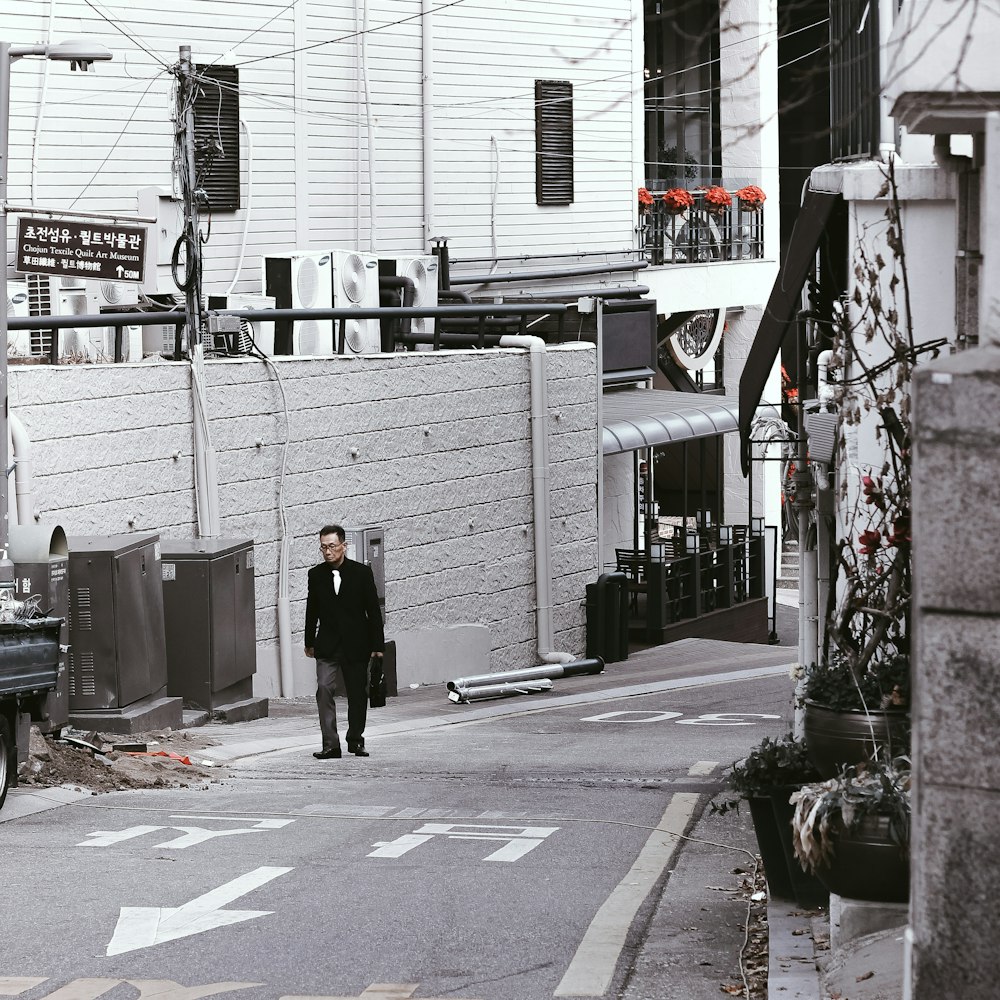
(956, 741)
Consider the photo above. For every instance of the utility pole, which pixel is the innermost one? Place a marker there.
(184, 165)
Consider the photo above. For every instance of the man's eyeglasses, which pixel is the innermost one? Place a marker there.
(331, 545)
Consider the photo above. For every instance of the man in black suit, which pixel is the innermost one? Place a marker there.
(343, 630)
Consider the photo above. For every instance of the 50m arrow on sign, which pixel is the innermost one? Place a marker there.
(144, 926)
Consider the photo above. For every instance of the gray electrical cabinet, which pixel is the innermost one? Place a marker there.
(117, 654)
(41, 570)
(366, 544)
(210, 610)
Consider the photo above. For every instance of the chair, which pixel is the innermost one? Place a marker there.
(633, 565)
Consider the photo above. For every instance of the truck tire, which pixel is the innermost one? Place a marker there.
(6, 758)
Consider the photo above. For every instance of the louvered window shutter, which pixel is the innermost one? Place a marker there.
(217, 137)
(553, 142)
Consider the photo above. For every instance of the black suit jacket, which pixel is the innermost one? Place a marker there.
(353, 616)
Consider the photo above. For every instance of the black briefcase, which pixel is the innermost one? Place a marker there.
(376, 683)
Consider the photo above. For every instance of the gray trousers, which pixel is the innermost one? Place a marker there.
(356, 681)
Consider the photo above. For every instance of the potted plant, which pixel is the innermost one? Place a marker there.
(717, 199)
(765, 780)
(677, 201)
(751, 198)
(850, 716)
(853, 831)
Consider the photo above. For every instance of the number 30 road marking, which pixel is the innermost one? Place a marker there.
(710, 719)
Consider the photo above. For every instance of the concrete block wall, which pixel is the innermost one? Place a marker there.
(956, 739)
(434, 447)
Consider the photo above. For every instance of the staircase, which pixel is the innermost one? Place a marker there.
(788, 570)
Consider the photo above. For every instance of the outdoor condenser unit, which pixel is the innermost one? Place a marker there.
(300, 280)
(117, 652)
(355, 285)
(422, 270)
(18, 341)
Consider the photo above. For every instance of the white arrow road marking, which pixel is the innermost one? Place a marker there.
(144, 926)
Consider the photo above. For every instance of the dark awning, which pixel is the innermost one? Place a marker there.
(781, 308)
(641, 418)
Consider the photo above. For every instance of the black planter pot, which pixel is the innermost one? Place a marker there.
(867, 864)
(834, 738)
(772, 823)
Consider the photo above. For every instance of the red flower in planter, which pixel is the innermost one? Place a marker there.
(751, 197)
(678, 200)
(870, 540)
(717, 198)
(645, 199)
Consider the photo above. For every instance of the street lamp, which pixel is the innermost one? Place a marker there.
(79, 53)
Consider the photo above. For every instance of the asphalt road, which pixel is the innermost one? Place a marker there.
(507, 858)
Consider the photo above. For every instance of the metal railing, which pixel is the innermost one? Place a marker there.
(487, 324)
(692, 575)
(702, 234)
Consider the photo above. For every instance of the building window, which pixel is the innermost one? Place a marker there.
(683, 138)
(217, 137)
(553, 142)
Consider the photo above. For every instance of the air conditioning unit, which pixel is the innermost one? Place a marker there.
(300, 280)
(18, 341)
(253, 332)
(54, 295)
(422, 270)
(355, 285)
(110, 296)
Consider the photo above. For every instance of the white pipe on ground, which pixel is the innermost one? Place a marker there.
(540, 492)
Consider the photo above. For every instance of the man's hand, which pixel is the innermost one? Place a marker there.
(379, 655)
(310, 652)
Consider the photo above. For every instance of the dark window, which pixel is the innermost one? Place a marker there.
(217, 137)
(854, 79)
(683, 137)
(553, 142)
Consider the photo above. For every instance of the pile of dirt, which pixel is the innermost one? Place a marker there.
(160, 759)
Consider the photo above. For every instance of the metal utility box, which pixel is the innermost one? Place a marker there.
(366, 544)
(117, 654)
(41, 567)
(210, 610)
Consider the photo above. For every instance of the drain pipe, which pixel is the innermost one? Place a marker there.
(464, 689)
(540, 491)
(20, 447)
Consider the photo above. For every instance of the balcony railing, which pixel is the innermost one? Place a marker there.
(701, 234)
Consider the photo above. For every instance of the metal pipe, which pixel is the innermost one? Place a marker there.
(540, 497)
(427, 116)
(597, 291)
(552, 671)
(485, 691)
(568, 272)
(6, 566)
(23, 469)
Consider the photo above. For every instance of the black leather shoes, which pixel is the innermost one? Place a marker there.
(327, 754)
(359, 751)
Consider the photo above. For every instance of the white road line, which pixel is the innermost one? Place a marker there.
(591, 970)
(701, 768)
(11, 986)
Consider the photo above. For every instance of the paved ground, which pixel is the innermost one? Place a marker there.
(718, 847)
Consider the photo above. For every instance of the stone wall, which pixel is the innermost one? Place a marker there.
(956, 738)
(434, 447)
